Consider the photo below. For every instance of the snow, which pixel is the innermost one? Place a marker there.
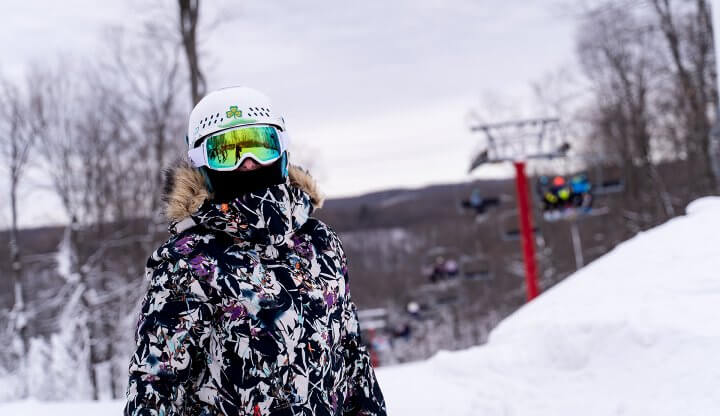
(634, 333)
(80, 408)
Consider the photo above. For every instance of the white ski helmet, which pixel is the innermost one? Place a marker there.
(232, 107)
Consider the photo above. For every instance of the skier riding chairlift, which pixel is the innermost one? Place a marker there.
(562, 199)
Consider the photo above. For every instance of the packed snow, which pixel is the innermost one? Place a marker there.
(634, 333)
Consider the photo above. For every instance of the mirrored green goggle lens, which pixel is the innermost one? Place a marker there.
(225, 150)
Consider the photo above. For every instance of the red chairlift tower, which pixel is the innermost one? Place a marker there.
(519, 141)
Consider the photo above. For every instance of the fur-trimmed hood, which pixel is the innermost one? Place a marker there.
(185, 190)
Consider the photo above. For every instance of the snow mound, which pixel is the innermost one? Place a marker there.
(634, 333)
(77, 408)
(709, 203)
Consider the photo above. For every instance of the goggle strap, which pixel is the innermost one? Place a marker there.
(284, 139)
(197, 156)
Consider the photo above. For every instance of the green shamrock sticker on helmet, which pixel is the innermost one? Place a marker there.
(233, 112)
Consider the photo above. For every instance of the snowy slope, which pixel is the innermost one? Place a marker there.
(36, 408)
(634, 333)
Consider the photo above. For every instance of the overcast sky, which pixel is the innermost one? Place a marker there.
(366, 86)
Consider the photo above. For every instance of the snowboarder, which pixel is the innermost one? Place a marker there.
(248, 309)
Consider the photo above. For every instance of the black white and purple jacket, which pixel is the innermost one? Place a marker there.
(248, 310)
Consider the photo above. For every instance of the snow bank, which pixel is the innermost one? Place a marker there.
(634, 333)
(80, 408)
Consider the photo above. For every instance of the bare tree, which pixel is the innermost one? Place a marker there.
(143, 73)
(16, 142)
(189, 13)
(88, 158)
(687, 30)
(622, 56)
(145, 69)
(608, 46)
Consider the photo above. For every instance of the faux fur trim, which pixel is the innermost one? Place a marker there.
(300, 178)
(184, 192)
(185, 189)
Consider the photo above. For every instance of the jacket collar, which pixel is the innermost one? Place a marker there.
(268, 216)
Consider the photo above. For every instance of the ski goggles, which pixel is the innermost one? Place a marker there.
(228, 149)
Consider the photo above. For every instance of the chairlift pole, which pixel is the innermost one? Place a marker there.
(526, 229)
(577, 245)
(516, 150)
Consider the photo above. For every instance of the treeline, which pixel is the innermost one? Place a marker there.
(101, 130)
(649, 67)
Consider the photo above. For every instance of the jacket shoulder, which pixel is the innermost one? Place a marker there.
(185, 263)
(326, 240)
(184, 249)
(322, 232)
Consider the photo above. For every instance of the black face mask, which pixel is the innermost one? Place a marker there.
(229, 185)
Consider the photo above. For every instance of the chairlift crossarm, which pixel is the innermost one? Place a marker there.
(520, 146)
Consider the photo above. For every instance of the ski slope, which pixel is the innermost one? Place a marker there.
(634, 333)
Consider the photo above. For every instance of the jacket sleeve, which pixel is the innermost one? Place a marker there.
(171, 335)
(364, 396)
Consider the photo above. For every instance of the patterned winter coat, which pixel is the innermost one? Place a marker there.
(248, 310)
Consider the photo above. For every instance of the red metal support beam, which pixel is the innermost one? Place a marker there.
(526, 229)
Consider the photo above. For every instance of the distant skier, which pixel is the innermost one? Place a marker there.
(248, 309)
(238, 151)
(546, 196)
(450, 267)
(479, 204)
(581, 192)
